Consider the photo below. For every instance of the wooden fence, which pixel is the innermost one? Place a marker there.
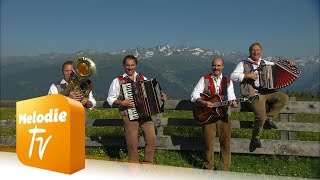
(287, 145)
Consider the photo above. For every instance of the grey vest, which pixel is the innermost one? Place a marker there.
(247, 85)
(60, 87)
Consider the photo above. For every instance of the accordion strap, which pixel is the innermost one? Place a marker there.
(126, 79)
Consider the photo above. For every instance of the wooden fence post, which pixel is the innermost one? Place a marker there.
(288, 117)
(157, 119)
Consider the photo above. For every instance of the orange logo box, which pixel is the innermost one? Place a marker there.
(50, 133)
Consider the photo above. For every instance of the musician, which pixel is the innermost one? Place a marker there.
(246, 72)
(115, 98)
(57, 88)
(216, 84)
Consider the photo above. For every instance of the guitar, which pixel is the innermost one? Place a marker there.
(202, 113)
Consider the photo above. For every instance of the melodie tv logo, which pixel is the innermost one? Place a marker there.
(50, 133)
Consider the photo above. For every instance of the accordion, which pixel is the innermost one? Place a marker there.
(277, 76)
(146, 97)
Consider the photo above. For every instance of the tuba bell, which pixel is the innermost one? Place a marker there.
(83, 69)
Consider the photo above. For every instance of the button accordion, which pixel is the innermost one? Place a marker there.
(277, 76)
(146, 97)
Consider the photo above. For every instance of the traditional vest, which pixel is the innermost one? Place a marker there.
(122, 80)
(210, 89)
(60, 87)
(247, 86)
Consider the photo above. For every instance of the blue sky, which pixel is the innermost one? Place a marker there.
(287, 28)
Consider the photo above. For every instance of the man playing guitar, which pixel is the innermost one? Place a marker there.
(216, 84)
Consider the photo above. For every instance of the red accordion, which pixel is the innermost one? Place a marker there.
(146, 97)
(277, 76)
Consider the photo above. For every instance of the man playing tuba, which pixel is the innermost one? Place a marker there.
(74, 86)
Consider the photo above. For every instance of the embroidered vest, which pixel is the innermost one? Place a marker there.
(122, 80)
(247, 87)
(210, 89)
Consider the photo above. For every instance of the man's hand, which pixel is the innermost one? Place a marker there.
(127, 103)
(163, 96)
(204, 103)
(75, 95)
(84, 101)
(208, 104)
(234, 104)
(251, 75)
(291, 63)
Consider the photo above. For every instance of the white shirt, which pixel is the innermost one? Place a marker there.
(199, 88)
(114, 90)
(53, 90)
(237, 75)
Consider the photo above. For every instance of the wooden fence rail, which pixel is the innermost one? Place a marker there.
(287, 145)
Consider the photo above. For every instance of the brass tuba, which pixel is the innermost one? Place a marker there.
(79, 79)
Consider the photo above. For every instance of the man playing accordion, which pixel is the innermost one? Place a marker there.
(246, 73)
(117, 98)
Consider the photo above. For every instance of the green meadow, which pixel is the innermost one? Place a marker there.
(291, 166)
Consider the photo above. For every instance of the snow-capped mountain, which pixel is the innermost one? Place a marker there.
(168, 50)
(177, 68)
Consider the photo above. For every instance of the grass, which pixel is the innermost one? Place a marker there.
(305, 167)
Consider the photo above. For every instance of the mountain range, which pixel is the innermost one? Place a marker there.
(177, 69)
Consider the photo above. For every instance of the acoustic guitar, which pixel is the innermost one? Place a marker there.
(202, 113)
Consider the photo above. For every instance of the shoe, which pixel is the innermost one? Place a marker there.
(208, 167)
(269, 125)
(254, 144)
(212, 169)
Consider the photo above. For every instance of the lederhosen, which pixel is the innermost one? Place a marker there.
(222, 126)
(140, 77)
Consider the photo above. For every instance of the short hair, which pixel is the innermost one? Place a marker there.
(218, 57)
(253, 44)
(66, 63)
(130, 57)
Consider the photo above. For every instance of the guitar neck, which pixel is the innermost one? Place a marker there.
(227, 103)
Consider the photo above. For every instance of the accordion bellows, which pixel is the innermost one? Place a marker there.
(277, 76)
(146, 97)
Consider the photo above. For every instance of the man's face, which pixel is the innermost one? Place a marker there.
(130, 66)
(67, 71)
(217, 67)
(255, 52)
